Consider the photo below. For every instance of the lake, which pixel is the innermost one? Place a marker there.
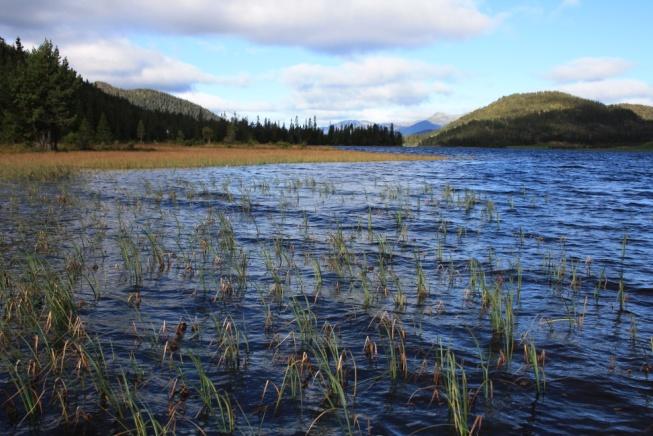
(504, 290)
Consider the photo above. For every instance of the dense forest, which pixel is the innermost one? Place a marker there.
(44, 102)
(644, 112)
(546, 118)
(157, 100)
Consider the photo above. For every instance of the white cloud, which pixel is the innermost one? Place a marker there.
(590, 69)
(220, 105)
(328, 25)
(601, 79)
(376, 88)
(365, 82)
(120, 63)
(612, 90)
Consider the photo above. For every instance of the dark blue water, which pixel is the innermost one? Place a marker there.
(558, 231)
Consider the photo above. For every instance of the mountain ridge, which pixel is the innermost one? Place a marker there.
(152, 99)
(546, 117)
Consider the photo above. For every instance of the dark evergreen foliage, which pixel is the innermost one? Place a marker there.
(43, 100)
(103, 131)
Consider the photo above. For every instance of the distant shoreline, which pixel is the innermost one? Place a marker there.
(579, 147)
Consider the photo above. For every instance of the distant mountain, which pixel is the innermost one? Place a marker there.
(424, 126)
(442, 119)
(354, 123)
(416, 128)
(158, 101)
(545, 118)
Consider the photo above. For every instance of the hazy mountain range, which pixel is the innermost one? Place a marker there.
(431, 124)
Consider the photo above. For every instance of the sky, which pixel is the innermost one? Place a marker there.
(376, 60)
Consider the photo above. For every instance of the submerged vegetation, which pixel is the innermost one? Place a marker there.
(273, 300)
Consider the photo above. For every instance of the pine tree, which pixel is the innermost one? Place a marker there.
(84, 135)
(180, 136)
(44, 95)
(207, 134)
(103, 131)
(140, 131)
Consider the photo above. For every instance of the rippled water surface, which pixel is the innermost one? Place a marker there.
(279, 261)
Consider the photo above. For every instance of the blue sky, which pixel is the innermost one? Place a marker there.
(359, 59)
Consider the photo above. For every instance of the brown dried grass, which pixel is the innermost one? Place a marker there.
(35, 164)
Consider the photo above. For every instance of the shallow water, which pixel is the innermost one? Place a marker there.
(544, 225)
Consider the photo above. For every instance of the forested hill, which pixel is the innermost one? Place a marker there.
(644, 112)
(44, 102)
(545, 118)
(158, 101)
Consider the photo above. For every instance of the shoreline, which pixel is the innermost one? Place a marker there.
(44, 164)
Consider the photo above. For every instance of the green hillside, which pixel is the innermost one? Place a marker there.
(545, 118)
(645, 112)
(158, 101)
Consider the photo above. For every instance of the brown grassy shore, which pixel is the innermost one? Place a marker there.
(148, 156)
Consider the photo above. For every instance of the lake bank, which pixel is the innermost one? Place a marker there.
(36, 164)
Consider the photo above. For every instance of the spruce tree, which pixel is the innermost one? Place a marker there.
(103, 131)
(207, 134)
(44, 95)
(140, 131)
(180, 136)
(84, 135)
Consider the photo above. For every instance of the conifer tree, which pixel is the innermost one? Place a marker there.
(180, 136)
(140, 131)
(207, 134)
(103, 131)
(44, 95)
(84, 135)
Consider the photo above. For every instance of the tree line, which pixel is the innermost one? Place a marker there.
(44, 102)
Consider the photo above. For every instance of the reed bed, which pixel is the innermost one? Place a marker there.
(43, 164)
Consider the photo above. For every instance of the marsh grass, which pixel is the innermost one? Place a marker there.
(305, 320)
(49, 165)
(536, 362)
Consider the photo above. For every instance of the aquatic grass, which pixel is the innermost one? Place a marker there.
(500, 309)
(231, 343)
(26, 390)
(157, 251)
(296, 376)
(395, 334)
(51, 165)
(601, 284)
(241, 267)
(131, 259)
(621, 294)
(300, 340)
(214, 402)
(536, 361)
(421, 284)
(330, 362)
(455, 381)
(317, 272)
(368, 297)
(305, 320)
